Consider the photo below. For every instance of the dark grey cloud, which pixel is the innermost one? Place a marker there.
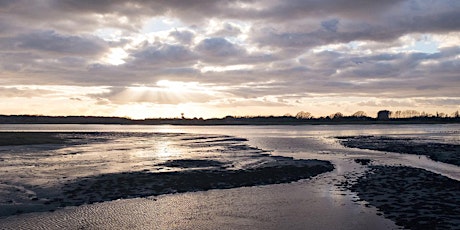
(5, 26)
(293, 9)
(218, 48)
(189, 9)
(163, 55)
(50, 41)
(55, 43)
(391, 21)
(183, 36)
(330, 25)
(427, 16)
(409, 14)
(228, 30)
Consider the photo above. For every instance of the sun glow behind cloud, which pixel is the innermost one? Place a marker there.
(116, 56)
(166, 97)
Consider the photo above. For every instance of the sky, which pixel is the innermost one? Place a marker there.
(210, 58)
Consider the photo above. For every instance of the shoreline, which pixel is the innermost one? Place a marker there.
(228, 120)
(312, 123)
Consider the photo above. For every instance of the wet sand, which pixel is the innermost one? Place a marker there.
(413, 198)
(29, 138)
(115, 186)
(443, 152)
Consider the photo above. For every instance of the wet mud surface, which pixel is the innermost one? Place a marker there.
(413, 198)
(141, 184)
(30, 138)
(442, 152)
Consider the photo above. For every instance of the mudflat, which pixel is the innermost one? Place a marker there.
(413, 198)
(29, 138)
(442, 152)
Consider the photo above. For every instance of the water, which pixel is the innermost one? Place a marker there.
(314, 203)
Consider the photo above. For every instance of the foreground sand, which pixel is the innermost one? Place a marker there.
(413, 198)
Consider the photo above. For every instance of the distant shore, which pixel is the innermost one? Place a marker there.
(229, 120)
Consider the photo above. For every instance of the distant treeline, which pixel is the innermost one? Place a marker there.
(301, 118)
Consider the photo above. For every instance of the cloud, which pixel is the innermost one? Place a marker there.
(433, 14)
(158, 95)
(183, 37)
(218, 48)
(163, 55)
(330, 25)
(387, 23)
(52, 42)
(23, 92)
(228, 30)
(245, 49)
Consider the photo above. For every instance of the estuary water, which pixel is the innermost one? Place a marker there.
(316, 203)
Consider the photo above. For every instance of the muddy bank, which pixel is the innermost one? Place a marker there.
(114, 186)
(442, 152)
(141, 184)
(413, 198)
(29, 138)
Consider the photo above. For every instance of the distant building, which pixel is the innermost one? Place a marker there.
(383, 115)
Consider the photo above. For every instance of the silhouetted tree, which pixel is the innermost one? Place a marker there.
(424, 114)
(303, 115)
(359, 114)
(396, 114)
(337, 115)
(406, 114)
(412, 113)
